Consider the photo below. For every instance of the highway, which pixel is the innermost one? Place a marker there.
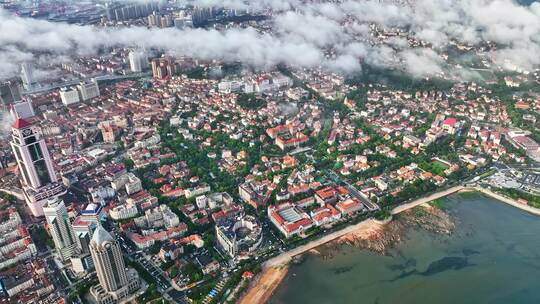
(15, 192)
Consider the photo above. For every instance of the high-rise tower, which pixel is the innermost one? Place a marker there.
(38, 177)
(116, 282)
(135, 61)
(83, 227)
(27, 75)
(60, 228)
(9, 92)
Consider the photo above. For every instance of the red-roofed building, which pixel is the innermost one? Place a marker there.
(449, 125)
(325, 215)
(349, 206)
(289, 219)
(327, 195)
(247, 275)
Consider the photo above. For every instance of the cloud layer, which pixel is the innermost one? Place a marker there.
(336, 35)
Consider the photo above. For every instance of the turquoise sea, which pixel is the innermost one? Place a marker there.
(492, 257)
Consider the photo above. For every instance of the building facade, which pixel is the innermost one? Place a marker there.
(27, 75)
(60, 228)
(88, 90)
(69, 96)
(137, 61)
(9, 92)
(116, 282)
(22, 109)
(35, 165)
(239, 235)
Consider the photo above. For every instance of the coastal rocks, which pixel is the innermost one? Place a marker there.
(380, 238)
(428, 218)
(314, 252)
(299, 259)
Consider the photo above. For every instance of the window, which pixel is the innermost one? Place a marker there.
(22, 165)
(30, 139)
(114, 267)
(35, 151)
(42, 172)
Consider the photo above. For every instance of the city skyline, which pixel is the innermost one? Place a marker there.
(269, 151)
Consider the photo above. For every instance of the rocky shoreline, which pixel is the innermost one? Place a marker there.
(386, 236)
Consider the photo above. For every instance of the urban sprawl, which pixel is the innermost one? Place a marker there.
(138, 174)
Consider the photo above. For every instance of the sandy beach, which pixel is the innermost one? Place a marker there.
(262, 288)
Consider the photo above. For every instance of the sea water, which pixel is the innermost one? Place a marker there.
(493, 256)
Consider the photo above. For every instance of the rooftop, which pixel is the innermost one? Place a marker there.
(21, 124)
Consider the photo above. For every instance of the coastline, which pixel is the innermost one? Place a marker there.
(262, 288)
(276, 269)
(504, 199)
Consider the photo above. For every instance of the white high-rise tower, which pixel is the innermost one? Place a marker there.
(116, 282)
(60, 228)
(27, 75)
(138, 61)
(38, 177)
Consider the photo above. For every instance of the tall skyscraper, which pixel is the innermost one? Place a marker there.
(83, 227)
(164, 67)
(27, 75)
(35, 165)
(9, 92)
(137, 61)
(109, 12)
(116, 282)
(85, 224)
(69, 96)
(60, 228)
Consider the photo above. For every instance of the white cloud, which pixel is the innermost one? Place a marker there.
(303, 33)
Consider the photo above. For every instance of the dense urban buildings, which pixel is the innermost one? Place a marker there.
(153, 151)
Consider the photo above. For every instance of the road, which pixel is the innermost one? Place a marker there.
(426, 199)
(15, 192)
(268, 282)
(159, 278)
(287, 256)
(365, 200)
(71, 82)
